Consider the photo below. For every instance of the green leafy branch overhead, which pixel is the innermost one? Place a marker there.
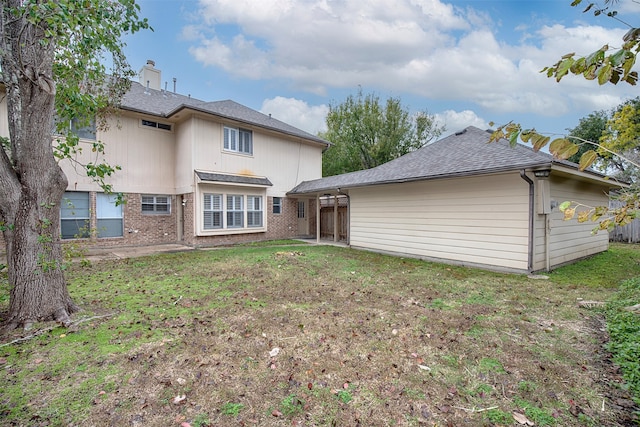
(607, 64)
(562, 148)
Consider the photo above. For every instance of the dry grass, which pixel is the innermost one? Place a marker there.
(315, 336)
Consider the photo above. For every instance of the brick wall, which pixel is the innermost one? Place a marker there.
(144, 229)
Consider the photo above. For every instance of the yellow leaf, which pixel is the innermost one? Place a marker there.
(587, 159)
(583, 216)
(538, 141)
(562, 148)
(569, 213)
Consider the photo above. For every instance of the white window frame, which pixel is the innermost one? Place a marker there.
(79, 215)
(231, 211)
(107, 210)
(155, 125)
(238, 140)
(155, 202)
(255, 211)
(212, 208)
(235, 210)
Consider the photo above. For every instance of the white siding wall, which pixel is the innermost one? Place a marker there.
(474, 221)
(569, 240)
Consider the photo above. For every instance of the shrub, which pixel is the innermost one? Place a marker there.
(624, 332)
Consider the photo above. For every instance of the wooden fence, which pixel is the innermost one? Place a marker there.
(629, 233)
(327, 223)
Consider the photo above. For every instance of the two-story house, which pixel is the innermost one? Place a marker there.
(195, 172)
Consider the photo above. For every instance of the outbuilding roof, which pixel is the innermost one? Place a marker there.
(464, 153)
(165, 104)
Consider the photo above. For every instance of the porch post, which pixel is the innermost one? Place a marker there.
(336, 231)
(317, 218)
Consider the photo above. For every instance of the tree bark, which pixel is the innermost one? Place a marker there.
(31, 182)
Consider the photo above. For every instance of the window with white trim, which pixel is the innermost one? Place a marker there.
(212, 211)
(238, 140)
(254, 211)
(156, 204)
(108, 215)
(157, 125)
(235, 211)
(74, 215)
(223, 211)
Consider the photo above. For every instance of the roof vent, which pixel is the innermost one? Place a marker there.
(461, 132)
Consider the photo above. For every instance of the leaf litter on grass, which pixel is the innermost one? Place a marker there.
(354, 332)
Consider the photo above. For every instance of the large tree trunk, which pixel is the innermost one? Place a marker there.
(31, 182)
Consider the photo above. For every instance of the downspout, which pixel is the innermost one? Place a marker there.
(348, 215)
(524, 176)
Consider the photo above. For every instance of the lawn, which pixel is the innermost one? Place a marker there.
(319, 336)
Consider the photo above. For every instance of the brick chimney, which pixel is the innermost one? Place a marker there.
(149, 76)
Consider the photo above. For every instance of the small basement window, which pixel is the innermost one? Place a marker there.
(157, 125)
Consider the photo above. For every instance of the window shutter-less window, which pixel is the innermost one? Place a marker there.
(212, 211)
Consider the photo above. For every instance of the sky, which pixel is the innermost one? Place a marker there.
(466, 62)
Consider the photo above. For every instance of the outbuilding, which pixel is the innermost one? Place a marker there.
(467, 201)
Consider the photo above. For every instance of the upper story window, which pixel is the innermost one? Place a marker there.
(157, 125)
(83, 129)
(238, 140)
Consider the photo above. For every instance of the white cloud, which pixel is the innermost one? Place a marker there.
(427, 48)
(310, 118)
(455, 121)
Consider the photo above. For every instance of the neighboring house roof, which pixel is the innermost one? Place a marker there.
(464, 153)
(234, 179)
(166, 104)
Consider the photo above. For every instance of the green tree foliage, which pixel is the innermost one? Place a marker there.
(619, 145)
(589, 128)
(52, 60)
(607, 64)
(622, 135)
(366, 133)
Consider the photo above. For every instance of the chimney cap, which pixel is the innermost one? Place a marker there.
(151, 62)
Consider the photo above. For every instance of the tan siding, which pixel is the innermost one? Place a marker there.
(4, 118)
(184, 155)
(146, 156)
(570, 240)
(481, 220)
(285, 162)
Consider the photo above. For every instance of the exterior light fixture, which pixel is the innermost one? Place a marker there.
(544, 173)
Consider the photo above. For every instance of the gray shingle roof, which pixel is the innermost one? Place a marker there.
(462, 154)
(235, 179)
(165, 104)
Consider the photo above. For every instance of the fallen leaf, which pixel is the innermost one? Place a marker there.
(276, 413)
(179, 399)
(185, 424)
(274, 352)
(522, 419)
(424, 368)
(444, 408)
